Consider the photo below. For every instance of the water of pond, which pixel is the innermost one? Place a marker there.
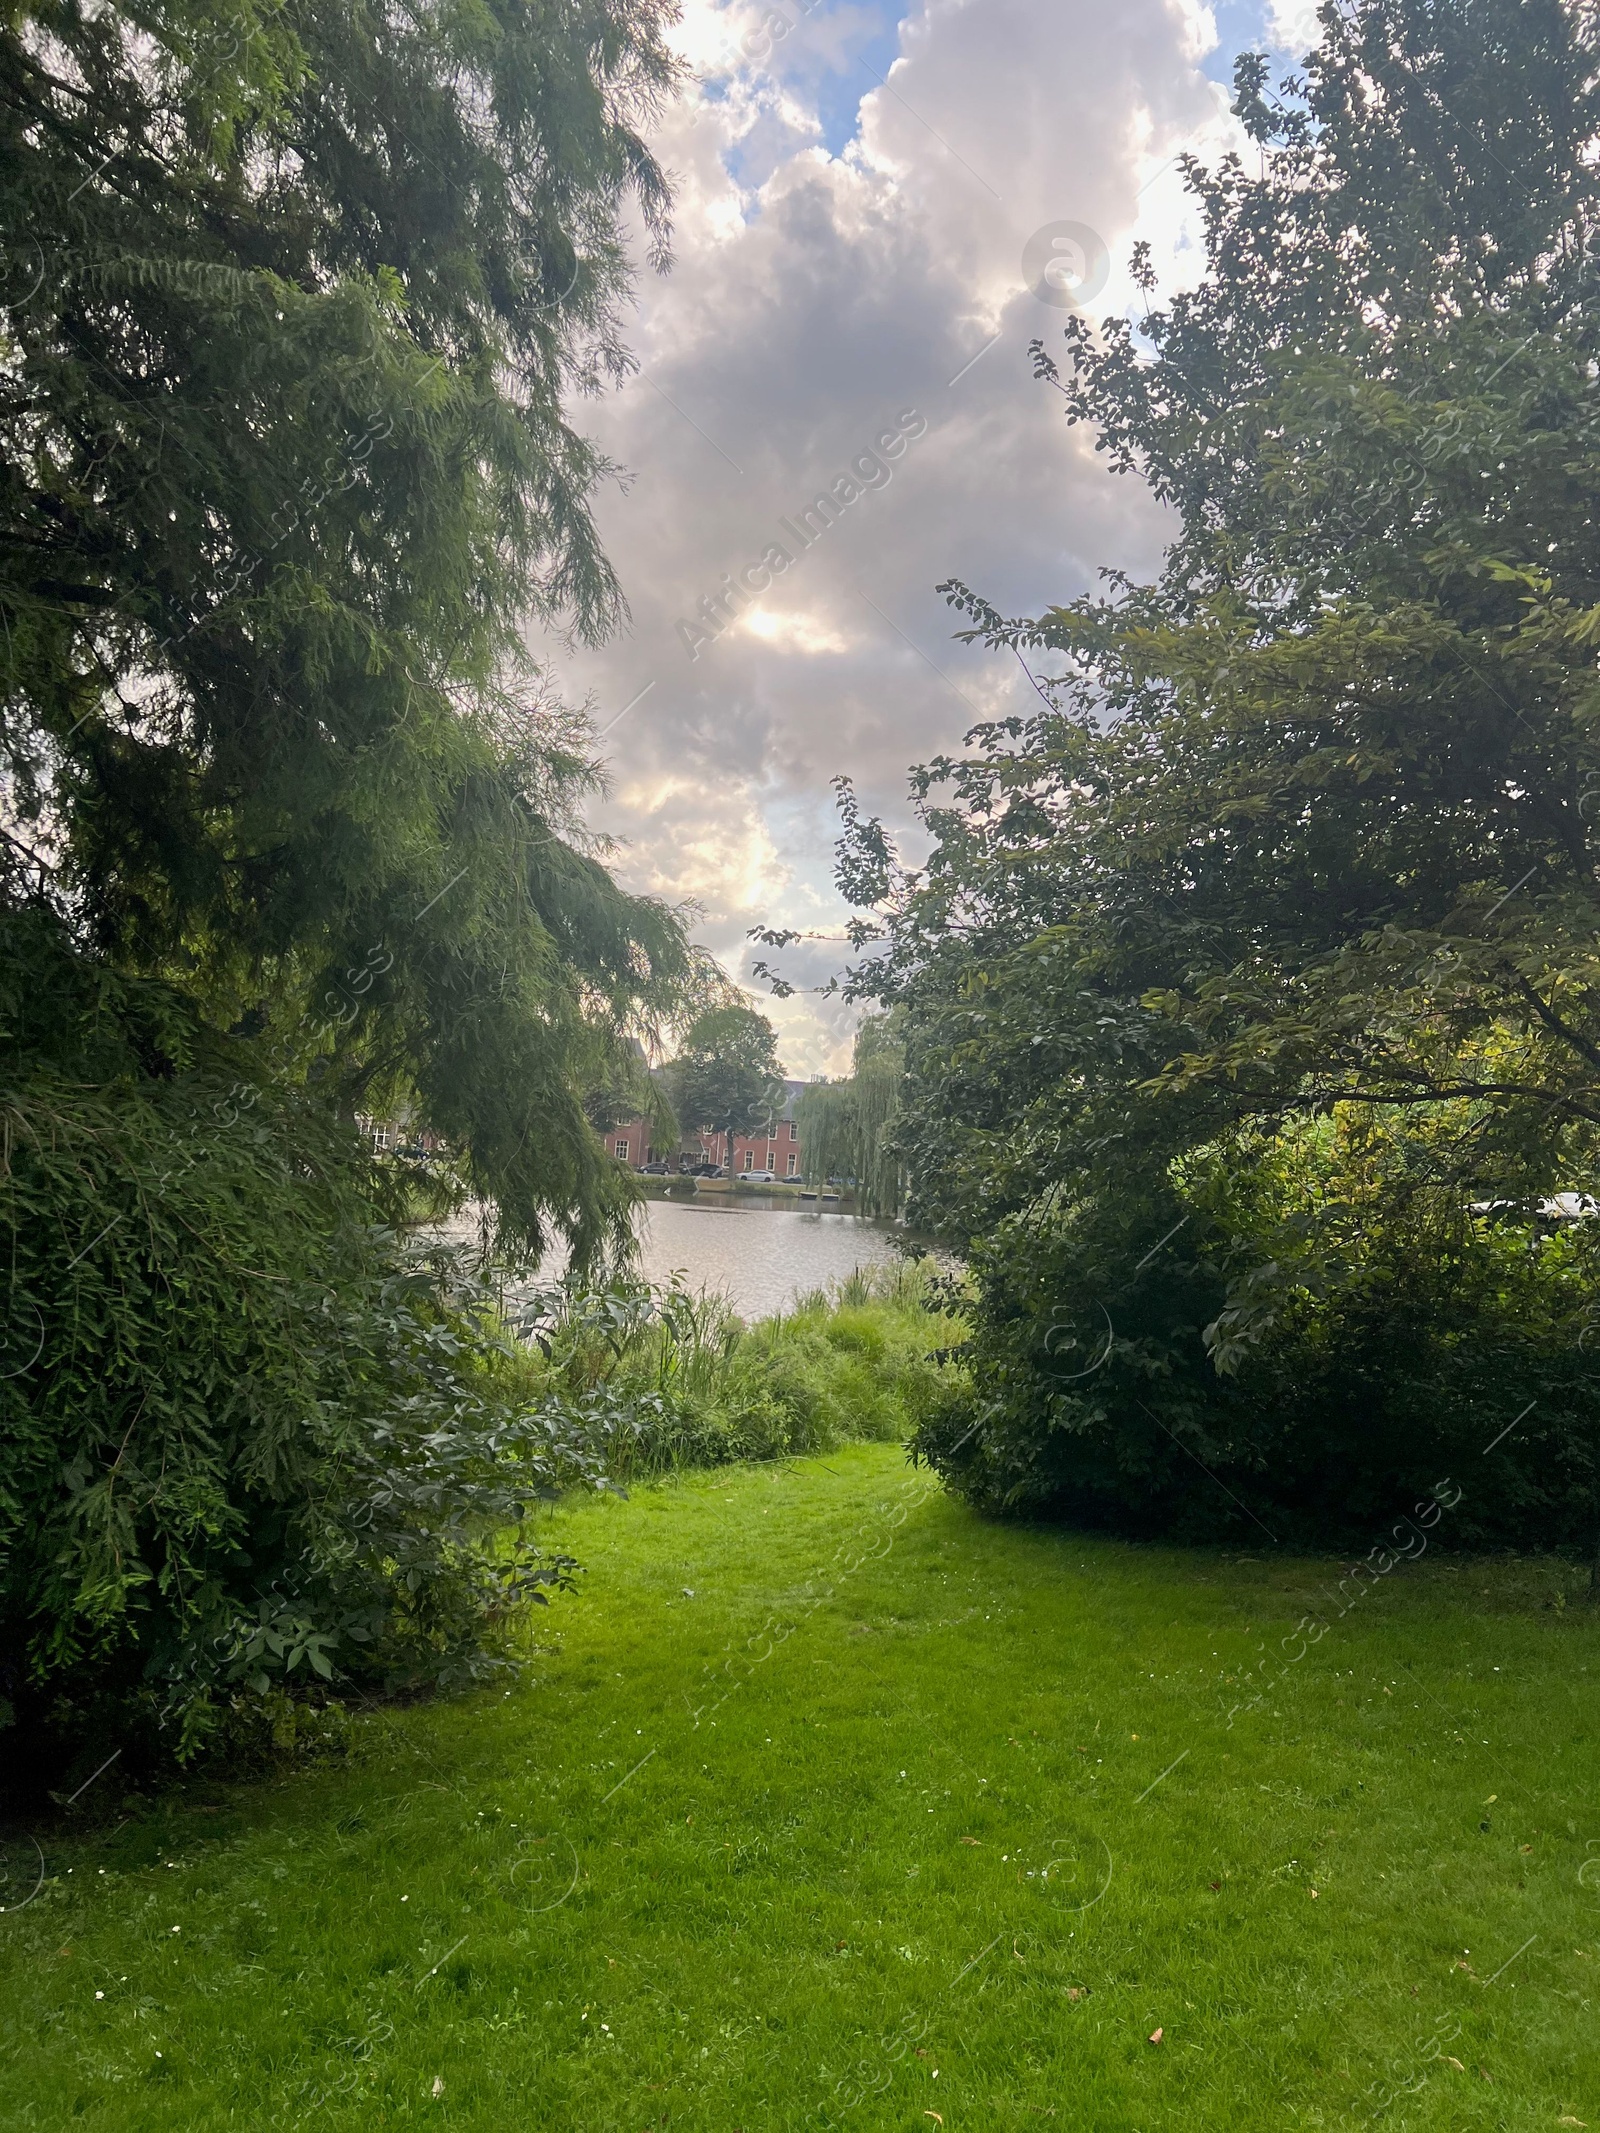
(760, 1258)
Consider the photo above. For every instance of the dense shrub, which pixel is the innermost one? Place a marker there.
(1300, 1334)
(247, 1439)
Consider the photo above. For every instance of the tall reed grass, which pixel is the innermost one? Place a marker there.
(662, 1377)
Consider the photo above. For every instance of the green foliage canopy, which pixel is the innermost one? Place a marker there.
(847, 1127)
(726, 1077)
(1306, 825)
(293, 301)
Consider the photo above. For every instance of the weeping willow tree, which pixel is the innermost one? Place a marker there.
(294, 302)
(847, 1127)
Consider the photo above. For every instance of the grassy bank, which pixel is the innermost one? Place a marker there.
(826, 1804)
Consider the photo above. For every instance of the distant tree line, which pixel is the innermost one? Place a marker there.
(847, 1128)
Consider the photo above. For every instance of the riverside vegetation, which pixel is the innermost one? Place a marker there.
(1238, 1028)
(659, 1378)
(1243, 1014)
(399, 1528)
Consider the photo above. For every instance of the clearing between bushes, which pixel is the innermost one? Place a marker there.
(825, 1802)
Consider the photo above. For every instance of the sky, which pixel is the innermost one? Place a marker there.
(878, 207)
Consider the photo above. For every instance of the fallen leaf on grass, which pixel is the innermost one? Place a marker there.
(971, 1840)
(1572, 2121)
(1155, 2036)
(1456, 2063)
(438, 2086)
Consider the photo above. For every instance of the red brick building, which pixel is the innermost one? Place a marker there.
(775, 1148)
(630, 1143)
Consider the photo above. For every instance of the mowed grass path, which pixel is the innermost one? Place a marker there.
(872, 1828)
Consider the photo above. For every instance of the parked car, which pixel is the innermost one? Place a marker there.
(704, 1170)
(758, 1177)
(655, 1170)
(1558, 1208)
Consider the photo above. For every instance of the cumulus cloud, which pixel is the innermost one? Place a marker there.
(835, 411)
(1292, 25)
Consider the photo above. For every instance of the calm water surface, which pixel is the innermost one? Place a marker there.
(760, 1258)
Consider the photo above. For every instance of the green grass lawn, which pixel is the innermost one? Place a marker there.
(901, 1820)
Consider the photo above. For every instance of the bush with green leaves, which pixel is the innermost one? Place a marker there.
(1298, 1333)
(248, 1439)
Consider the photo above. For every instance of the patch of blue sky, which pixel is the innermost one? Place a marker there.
(827, 56)
(830, 54)
(1242, 26)
(1246, 26)
(868, 50)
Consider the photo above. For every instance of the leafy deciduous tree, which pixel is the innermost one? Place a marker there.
(1304, 835)
(726, 1077)
(847, 1127)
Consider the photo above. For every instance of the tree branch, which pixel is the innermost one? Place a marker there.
(1551, 1020)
